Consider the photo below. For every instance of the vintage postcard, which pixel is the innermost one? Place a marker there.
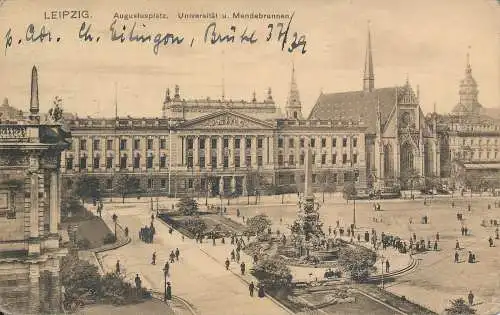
(250, 157)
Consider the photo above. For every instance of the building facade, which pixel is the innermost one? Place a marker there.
(30, 251)
(471, 139)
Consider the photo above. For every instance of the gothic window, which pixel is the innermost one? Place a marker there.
(406, 157)
(388, 161)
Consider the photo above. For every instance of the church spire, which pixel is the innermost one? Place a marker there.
(368, 77)
(293, 104)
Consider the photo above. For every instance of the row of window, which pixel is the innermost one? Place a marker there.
(291, 159)
(109, 162)
(225, 142)
(312, 142)
(479, 154)
(96, 144)
(225, 161)
(337, 178)
(480, 141)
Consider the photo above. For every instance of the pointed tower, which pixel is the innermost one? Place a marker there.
(368, 77)
(34, 103)
(468, 89)
(293, 106)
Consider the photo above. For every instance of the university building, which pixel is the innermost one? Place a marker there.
(373, 137)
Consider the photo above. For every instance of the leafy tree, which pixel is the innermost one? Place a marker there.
(187, 206)
(125, 185)
(195, 225)
(258, 224)
(408, 177)
(350, 190)
(459, 307)
(87, 187)
(273, 273)
(357, 261)
(79, 278)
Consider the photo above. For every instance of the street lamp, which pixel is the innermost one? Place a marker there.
(382, 263)
(165, 273)
(115, 219)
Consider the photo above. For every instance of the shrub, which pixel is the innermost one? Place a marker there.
(357, 261)
(258, 224)
(187, 206)
(80, 278)
(195, 225)
(109, 238)
(117, 291)
(273, 273)
(459, 307)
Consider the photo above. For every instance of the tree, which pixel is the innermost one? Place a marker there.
(258, 224)
(327, 181)
(187, 206)
(408, 177)
(273, 273)
(357, 261)
(459, 307)
(80, 278)
(56, 112)
(125, 185)
(86, 187)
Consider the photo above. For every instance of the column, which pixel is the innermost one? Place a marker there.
(270, 150)
(220, 152)
(130, 160)
(243, 152)
(233, 183)
(90, 150)
(117, 155)
(231, 152)
(76, 160)
(221, 185)
(53, 199)
(34, 244)
(34, 288)
(59, 193)
(55, 288)
(196, 155)
(208, 152)
(144, 152)
(253, 152)
(265, 161)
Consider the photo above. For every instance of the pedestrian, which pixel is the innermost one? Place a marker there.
(251, 288)
(183, 237)
(126, 231)
(172, 257)
(261, 290)
(387, 265)
(213, 240)
(497, 236)
(457, 245)
(470, 297)
(435, 245)
(468, 207)
(177, 252)
(167, 267)
(227, 263)
(456, 257)
(437, 236)
(152, 218)
(137, 281)
(242, 268)
(118, 266)
(153, 261)
(237, 256)
(465, 231)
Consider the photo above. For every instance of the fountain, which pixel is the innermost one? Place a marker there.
(308, 241)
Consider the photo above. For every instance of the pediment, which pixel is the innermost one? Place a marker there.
(226, 120)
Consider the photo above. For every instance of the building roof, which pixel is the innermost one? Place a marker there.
(356, 106)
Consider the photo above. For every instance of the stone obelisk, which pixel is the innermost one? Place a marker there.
(34, 103)
(308, 191)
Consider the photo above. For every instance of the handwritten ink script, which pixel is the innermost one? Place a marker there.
(137, 32)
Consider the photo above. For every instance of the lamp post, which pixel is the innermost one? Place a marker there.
(165, 273)
(382, 263)
(115, 219)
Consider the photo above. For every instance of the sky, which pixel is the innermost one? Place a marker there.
(426, 41)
